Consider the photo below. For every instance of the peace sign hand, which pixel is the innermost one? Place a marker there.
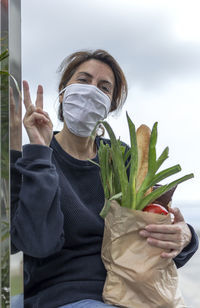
(36, 121)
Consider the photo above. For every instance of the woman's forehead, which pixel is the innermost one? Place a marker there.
(96, 68)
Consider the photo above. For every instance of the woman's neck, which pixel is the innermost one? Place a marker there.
(81, 148)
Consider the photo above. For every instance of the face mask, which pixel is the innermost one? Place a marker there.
(83, 106)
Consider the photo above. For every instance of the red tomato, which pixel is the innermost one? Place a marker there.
(155, 208)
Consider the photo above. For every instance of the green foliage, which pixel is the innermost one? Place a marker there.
(4, 55)
(5, 251)
(5, 257)
(115, 181)
(16, 285)
(4, 116)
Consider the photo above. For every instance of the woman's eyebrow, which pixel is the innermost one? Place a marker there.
(85, 73)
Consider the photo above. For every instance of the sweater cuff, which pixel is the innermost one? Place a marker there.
(194, 243)
(35, 151)
(188, 251)
(14, 155)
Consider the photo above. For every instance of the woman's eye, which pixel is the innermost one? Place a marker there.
(82, 79)
(105, 89)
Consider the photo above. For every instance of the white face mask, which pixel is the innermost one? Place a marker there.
(83, 106)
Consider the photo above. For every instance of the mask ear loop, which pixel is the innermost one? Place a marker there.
(59, 95)
(55, 107)
(62, 91)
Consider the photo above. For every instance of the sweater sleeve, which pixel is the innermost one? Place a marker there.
(185, 255)
(37, 219)
(15, 181)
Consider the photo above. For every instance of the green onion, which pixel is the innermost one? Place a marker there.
(113, 170)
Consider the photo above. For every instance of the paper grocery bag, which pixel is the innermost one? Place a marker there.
(137, 277)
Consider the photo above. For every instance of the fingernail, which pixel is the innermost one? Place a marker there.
(143, 233)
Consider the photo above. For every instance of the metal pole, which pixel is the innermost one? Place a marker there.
(4, 153)
(16, 260)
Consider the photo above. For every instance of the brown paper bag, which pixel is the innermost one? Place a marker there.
(137, 277)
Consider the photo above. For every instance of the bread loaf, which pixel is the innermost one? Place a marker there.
(143, 135)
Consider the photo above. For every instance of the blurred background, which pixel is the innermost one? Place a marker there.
(157, 44)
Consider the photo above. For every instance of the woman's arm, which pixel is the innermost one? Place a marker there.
(37, 219)
(184, 256)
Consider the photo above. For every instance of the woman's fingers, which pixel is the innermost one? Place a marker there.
(39, 98)
(38, 109)
(172, 254)
(163, 240)
(31, 109)
(165, 229)
(27, 98)
(46, 115)
(160, 236)
(178, 217)
(172, 237)
(34, 113)
(36, 121)
(171, 249)
(163, 244)
(35, 116)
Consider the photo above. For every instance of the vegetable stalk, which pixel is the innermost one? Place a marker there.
(116, 160)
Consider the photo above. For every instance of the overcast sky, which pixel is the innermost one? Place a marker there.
(157, 44)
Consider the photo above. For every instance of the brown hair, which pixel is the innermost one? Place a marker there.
(72, 62)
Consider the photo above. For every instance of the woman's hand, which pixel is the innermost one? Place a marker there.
(15, 123)
(174, 237)
(36, 121)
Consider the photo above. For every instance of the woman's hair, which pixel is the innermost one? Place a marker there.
(70, 64)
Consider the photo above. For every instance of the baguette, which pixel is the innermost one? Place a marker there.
(143, 135)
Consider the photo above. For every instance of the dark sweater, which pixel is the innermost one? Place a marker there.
(56, 201)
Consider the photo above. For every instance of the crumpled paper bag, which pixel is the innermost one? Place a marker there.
(137, 277)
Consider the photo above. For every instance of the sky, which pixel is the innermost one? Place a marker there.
(156, 43)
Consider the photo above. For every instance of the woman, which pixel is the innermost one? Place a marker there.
(57, 193)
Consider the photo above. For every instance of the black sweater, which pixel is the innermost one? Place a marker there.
(56, 201)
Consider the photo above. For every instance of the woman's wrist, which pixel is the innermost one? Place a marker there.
(17, 146)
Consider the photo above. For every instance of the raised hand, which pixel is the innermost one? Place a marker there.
(15, 123)
(173, 237)
(36, 121)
